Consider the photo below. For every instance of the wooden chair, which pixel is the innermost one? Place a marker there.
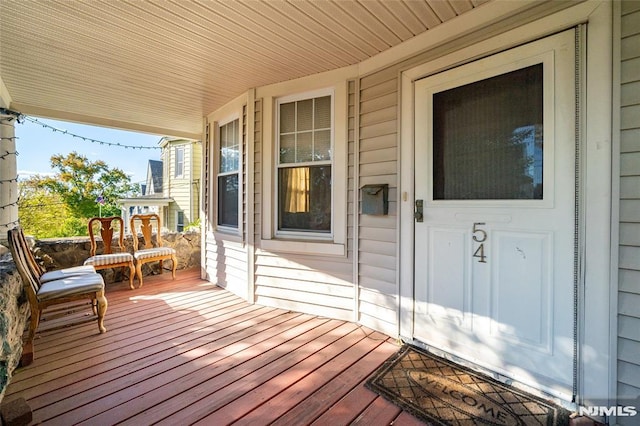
(150, 252)
(42, 295)
(109, 259)
(42, 274)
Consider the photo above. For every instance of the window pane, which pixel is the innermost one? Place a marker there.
(323, 113)
(304, 198)
(228, 200)
(487, 138)
(288, 117)
(288, 148)
(322, 145)
(305, 114)
(180, 224)
(304, 147)
(229, 147)
(179, 162)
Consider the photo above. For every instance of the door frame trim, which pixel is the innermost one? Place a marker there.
(596, 331)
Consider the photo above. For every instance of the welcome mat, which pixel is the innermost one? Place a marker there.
(440, 392)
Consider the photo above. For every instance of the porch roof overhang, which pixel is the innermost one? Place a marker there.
(145, 201)
(160, 67)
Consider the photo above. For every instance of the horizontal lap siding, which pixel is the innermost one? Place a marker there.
(308, 283)
(629, 254)
(377, 235)
(227, 264)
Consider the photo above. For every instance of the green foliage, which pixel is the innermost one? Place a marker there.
(193, 226)
(60, 205)
(43, 214)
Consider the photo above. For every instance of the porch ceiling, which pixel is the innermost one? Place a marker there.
(161, 65)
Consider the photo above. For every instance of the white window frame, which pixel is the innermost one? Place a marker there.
(237, 115)
(175, 151)
(305, 242)
(231, 111)
(302, 234)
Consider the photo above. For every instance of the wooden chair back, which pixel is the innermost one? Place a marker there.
(146, 224)
(25, 262)
(105, 227)
(37, 269)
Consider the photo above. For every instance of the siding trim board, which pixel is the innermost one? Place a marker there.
(627, 149)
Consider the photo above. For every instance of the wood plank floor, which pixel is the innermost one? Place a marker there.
(187, 352)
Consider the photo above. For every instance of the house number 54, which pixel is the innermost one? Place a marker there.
(479, 236)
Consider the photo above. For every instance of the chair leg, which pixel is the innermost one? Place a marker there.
(33, 326)
(161, 269)
(139, 272)
(132, 272)
(174, 266)
(94, 306)
(102, 309)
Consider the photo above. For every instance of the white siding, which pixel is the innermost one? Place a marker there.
(226, 264)
(377, 235)
(225, 255)
(629, 260)
(306, 283)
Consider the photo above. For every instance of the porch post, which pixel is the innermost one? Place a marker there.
(8, 175)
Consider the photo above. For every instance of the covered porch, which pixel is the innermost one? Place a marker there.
(187, 351)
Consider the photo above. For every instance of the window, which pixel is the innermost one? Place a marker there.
(304, 190)
(228, 174)
(180, 221)
(487, 138)
(179, 153)
(304, 165)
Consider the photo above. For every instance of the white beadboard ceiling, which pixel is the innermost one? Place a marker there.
(161, 65)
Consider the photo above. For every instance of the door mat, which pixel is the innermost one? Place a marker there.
(440, 392)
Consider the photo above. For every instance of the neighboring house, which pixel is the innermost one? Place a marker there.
(495, 152)
(182, 164)
(474, 189)
(172, 185)
(151, 199)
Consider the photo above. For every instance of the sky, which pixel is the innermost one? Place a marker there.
(36, 144)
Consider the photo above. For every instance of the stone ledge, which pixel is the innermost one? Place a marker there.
(58, 253)
(14, 312)
(15, 413)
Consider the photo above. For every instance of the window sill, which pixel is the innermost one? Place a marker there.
(304, 247)
(233, 236)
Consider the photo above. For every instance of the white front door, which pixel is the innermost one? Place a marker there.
(494, 249)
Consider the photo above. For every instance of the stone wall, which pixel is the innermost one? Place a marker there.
(62, 253)
(14, 312)
(57, 253)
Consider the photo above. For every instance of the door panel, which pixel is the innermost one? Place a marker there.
(495, 161)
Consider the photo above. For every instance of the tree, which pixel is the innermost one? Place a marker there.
(43, 214)
(80, 183)
(60, 205)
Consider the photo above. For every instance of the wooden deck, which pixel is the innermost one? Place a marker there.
(187, 352)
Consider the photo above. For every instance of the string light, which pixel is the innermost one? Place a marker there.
(13, 222)
(6, 206)
(86, 139)
(7, 153)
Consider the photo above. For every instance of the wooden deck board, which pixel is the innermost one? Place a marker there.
(186, 351)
